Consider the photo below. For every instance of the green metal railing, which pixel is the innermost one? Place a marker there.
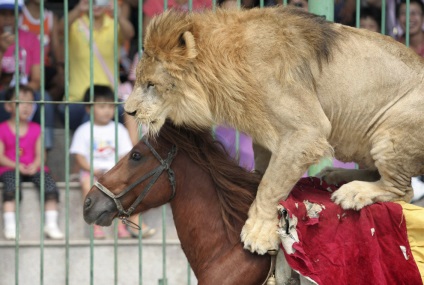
(315, 6)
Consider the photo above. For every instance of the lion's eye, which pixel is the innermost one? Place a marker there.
(150, 84)
(136, 156)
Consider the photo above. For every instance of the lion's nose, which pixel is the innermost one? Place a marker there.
(131, 113)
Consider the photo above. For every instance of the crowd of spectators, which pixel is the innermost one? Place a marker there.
(129, 31)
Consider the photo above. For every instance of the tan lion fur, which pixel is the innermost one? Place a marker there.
(302, 87)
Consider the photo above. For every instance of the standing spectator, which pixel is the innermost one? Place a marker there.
(29, 65)
(79, 53)
(53, 51)
(103, 145)
(416, 21)
(29, 163)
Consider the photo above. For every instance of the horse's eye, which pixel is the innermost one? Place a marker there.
(150, 84)
(136, 156)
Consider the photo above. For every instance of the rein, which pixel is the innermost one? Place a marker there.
(165, 164)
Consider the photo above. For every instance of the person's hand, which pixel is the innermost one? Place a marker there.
(98, 172)
(22, 169)
(6, 40)
(31, 169)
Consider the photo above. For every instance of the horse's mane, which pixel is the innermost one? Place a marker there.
(235, 186)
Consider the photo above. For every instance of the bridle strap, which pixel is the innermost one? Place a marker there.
(155, 174)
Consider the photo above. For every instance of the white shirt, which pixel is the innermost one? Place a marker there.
(103, 144)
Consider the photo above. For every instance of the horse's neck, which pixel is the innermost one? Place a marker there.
(199, 224)
(201, 230)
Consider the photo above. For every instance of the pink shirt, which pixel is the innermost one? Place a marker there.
(154, 7)
(29, 54)
(27, 144)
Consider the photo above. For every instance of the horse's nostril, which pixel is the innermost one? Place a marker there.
(132, 113)
(87, 203)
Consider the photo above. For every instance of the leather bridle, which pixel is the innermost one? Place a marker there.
(165, 164)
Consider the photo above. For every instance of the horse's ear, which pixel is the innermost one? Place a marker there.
(187, 42)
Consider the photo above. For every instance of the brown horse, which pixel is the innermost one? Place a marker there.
(209, 195)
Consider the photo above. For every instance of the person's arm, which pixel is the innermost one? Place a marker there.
(6, 40)
(32, 168)
(126, 29)
(56, 46)
(84, 165)
(4, 160)
(81, 8)
(35, 78)
(82, 162)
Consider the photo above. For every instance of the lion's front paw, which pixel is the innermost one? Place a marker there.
(260, 235)
(354, 195)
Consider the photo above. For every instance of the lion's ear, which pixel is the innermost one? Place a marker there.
(188, 43)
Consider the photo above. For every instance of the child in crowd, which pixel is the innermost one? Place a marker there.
(103, 145)
(29, 163)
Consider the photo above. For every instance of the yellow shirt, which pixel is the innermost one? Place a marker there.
(79, 56)
(414, 217)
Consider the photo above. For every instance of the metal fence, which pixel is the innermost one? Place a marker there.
(325, 8)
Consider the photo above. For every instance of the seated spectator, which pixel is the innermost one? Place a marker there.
(79, 54)
(53, 53)
(416, 21)
(370, 19)
(29, 163)
(104, 135)
(29, 65)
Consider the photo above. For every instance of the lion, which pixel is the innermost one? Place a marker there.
(302, 87)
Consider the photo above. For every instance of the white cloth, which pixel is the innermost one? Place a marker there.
(418, 187)
(103, 144)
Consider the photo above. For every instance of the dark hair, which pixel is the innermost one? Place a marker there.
(419, 2)
(10, 92)
(372, 12)
(100, 91)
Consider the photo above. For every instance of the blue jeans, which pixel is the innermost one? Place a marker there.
(49, 110)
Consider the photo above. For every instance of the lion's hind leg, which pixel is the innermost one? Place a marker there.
(395, 167)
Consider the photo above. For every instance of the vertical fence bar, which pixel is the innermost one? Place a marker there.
(67, 139)
(43, 128)
(408, 16)
(164, 280)
(321, 8)
(383, 17)
(91, 40)
(17, 174)
(115, 89)
(358, 14)
(140, 218)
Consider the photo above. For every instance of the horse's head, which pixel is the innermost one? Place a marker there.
(141, 180)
